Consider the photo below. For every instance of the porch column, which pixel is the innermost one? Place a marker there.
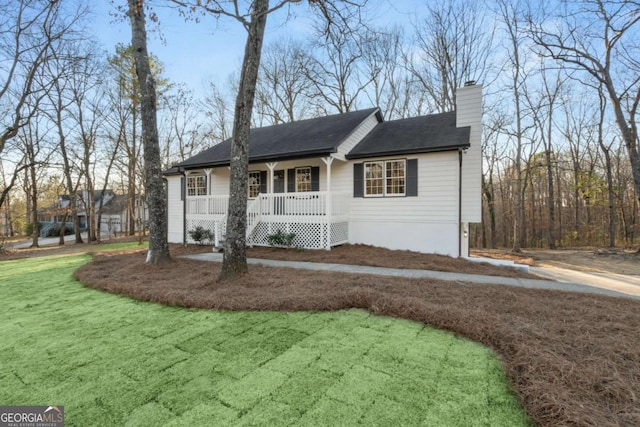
(329, 200)
(272, 167)
(207, 172)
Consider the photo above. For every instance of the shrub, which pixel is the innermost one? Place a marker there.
(280, 238)
(55, 230)
(28, 229)
(200, 234)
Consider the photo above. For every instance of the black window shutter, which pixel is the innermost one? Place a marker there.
(412, 178)
(358, 180)
(182, 188)
(291, 180)
(315, 178)
(263, 182)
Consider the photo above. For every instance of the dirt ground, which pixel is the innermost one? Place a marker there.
(573, 359)
(615, 260)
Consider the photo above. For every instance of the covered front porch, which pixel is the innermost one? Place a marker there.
(290, 197)
(317, 219)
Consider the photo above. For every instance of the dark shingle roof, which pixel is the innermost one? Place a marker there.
(436, 132)
(115, 205)
(171, 171)
(313, 137)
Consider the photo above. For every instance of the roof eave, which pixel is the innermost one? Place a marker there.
(269, 158)
(407, 151)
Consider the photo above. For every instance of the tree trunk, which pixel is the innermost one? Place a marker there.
(131, 189)
(551, 198)
(63, 228)
(608, 167)
(34, 207)
(629, 134)
(235, 255)
(154, 186)
(73, 205)
(488, 192)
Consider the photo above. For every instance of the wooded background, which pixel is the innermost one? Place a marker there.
(561, 83)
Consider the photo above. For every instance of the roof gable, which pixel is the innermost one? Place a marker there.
(312, 137)
(435, 132)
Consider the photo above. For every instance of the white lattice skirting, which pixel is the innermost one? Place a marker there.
(307, 235)
(207, 224)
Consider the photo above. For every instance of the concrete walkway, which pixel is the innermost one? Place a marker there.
(426, 274)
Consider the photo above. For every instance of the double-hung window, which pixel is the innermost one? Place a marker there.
(197, 185)
(395, 177)
(303, 179)
(385, 178)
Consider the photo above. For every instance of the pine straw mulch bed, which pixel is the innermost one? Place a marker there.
(381, 257)
(573, 359)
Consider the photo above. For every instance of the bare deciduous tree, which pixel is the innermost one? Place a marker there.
(183, 133)
(158, 252)
(254, 21)
(453, 45)
(509, 16)
(29, 29)
(600, 38)
(335, 71)
(216, 108)
(542, 108)
(282, 92)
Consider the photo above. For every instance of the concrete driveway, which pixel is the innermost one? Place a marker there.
(626, 284)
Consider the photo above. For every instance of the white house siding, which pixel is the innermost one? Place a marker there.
(175, 210)
(358, 134)
(219, 181)
(469, 113)
(426, 223)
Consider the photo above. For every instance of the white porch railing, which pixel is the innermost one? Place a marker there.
(207, 205)
(319, 219)
(311, 204)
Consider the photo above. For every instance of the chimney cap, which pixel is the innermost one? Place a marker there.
(469, 83)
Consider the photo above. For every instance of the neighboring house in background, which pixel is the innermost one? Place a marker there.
(412, 184)
(114, 218)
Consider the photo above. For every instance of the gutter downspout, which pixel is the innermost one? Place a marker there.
(460, 203)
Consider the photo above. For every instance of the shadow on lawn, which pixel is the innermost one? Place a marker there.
(573, 359)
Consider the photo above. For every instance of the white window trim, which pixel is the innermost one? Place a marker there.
(296, 178)
(364, 181)
(384, 179)
(195, 179)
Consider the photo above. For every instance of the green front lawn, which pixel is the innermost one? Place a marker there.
(111, 360)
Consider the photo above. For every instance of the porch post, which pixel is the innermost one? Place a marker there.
(328, 202)
(272, 167)
(208, 173)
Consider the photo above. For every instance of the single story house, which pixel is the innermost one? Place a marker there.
(412, 184)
